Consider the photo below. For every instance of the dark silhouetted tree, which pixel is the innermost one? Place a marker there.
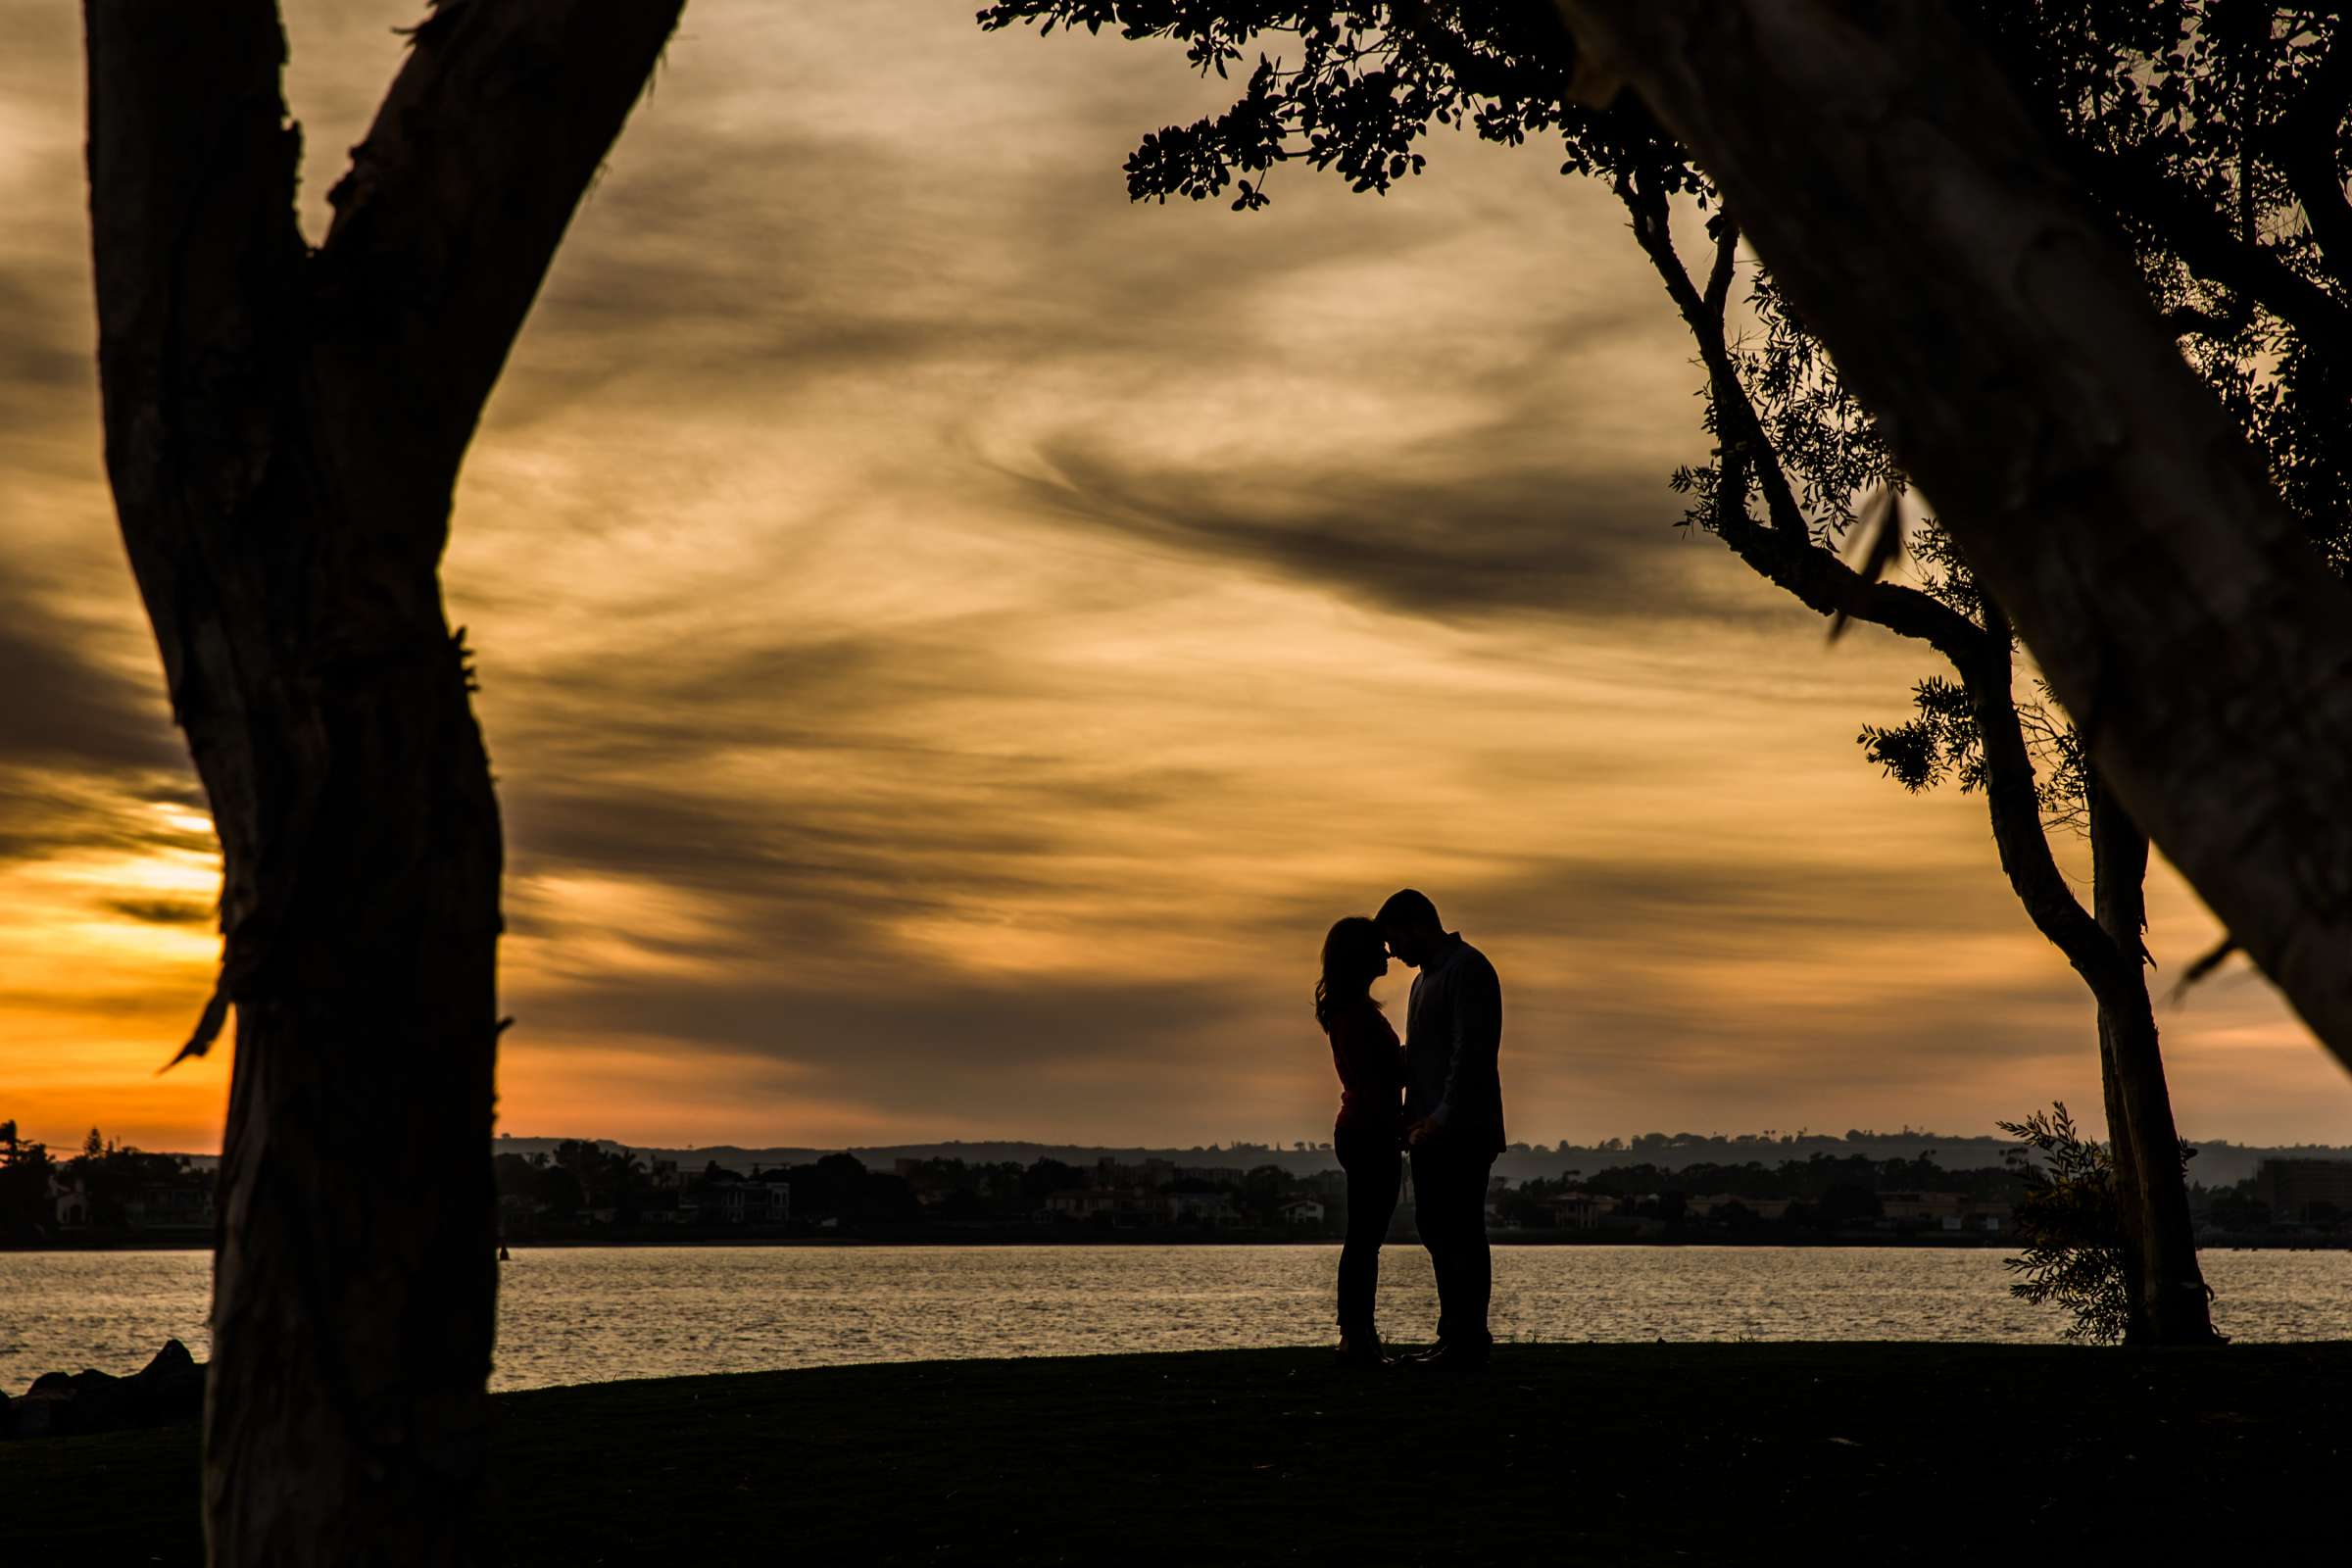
(1934, 226)
(285, 425)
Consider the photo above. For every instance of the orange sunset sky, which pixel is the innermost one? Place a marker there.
(951, 640)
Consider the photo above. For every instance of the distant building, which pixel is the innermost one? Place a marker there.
(1303, 1211)
(1992, 1218)
(1082, 1202)
(745, 1203)
(72, 1205)
(1197, 1209)
(1932, 1207)
(2293, 1187)
(1582, 1211)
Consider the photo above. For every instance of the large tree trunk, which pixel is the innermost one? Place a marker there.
(2123, 1156)
(283, 430)
(1972, 300)
(2151, 1189)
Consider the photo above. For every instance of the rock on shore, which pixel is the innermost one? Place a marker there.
(169, 1389)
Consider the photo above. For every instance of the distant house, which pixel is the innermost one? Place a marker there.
(1081, 1203)
(1197, 1209)
(1932, 1207)
(1303, 1211)
(1582, 1211)
(767, 1203)
(1993, 1219)
(72, 1205)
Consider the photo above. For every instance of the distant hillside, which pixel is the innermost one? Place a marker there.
(2218, 1163)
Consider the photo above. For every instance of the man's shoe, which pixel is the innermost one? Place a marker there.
(1455, 1359)
(1361, 1350)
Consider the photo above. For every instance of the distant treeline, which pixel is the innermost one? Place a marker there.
(1807, 1180)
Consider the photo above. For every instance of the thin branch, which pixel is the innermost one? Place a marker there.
(2015, 808)
(2303, 144)
(2207, 242)
(1726, 231)
(1784, 553)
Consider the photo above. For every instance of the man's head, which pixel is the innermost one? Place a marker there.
(1410, 922)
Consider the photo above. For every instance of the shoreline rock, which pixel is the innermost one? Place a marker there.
(169, 1387)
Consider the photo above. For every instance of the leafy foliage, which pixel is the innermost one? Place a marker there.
(2074, 1256)
(2069, 1219)
(1356, 88)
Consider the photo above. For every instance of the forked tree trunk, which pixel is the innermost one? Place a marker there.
(2151, 1190)
(1980, 310)
(2104, 948)
(283, 430)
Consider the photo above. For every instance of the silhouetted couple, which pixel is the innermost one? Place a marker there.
(1439, 1097)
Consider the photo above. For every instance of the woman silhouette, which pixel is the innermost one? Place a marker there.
(1366, 1136)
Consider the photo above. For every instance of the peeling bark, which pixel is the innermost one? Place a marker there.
(283, 430)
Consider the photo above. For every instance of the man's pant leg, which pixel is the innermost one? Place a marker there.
(1449, 1192)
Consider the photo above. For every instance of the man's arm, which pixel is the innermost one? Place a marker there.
(1474, 1040)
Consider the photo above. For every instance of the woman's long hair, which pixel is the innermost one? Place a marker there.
(1354, 955)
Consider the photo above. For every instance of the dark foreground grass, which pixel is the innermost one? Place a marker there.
(1561, 1454)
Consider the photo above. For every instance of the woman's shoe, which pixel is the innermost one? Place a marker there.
(1359, 1349)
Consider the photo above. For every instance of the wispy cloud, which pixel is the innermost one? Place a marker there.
(952, 641)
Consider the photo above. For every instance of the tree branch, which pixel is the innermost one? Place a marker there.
(2015, 808)
(2212, 248)
(1784, 553)
(454, 205)
(195, 250)
(2303, 144)
(1484, 75)
(1819, 580)
(1976, 305)
(1725, 233)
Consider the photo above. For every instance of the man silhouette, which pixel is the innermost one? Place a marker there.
(1452, 1114)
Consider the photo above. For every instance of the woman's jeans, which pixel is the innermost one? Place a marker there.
(1373, 1166)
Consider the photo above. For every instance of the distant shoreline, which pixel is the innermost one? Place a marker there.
(1924, 1243)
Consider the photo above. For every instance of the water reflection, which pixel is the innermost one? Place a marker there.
(584, 1315)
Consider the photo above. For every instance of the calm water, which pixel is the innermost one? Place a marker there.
(586, 1314)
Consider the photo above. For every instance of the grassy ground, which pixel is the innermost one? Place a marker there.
(1562, 1453)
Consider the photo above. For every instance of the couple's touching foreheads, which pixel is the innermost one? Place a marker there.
(1437, 1099)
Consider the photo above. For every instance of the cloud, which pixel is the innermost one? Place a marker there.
(163, 912)
(61, 710)
(1477, 544)
(952, 640)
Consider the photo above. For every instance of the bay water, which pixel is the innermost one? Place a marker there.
(593, 1313)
